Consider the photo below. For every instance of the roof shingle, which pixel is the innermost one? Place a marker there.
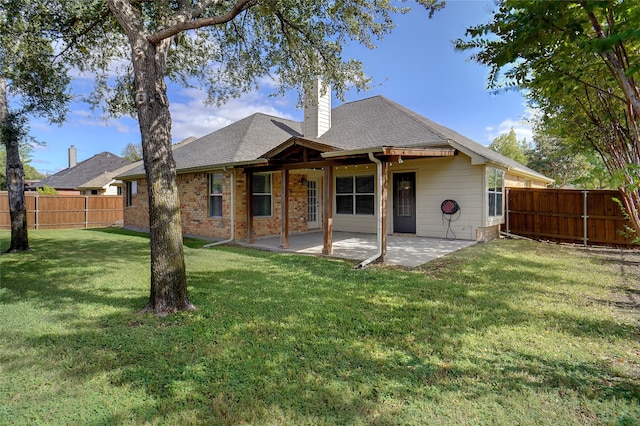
(85, 171)
(367, 123)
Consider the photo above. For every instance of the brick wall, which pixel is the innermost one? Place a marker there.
(136, 216)
(267, 226)
(194, 207)
(513, 181)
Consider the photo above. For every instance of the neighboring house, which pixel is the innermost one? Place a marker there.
(369, 166)
(94, 176)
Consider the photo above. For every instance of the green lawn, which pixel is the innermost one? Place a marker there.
(508, 332)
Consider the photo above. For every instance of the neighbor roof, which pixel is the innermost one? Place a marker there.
(106, 178)
(83, 172)
(366, 124)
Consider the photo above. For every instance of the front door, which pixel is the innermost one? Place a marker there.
(404, 203)
(313, 203)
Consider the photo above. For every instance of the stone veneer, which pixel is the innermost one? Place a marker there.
(194, 207)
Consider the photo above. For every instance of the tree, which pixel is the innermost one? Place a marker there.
(226, 47)
(595, 175)
(30, 173)
(29, 71)
(132, 152)
(578, 62)
(557, 160)
(47, 190)
(508, 145)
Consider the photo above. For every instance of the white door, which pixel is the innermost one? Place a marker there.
(314, 212)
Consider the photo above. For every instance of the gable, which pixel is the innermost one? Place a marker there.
(99, 165)
(297, 150)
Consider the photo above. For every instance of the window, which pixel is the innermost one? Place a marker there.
(215, 194)
(261, 194)
(355, 195)
(495, 189)
(132, 189)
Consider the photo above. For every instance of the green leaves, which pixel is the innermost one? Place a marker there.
(508, 145)
(578, 63)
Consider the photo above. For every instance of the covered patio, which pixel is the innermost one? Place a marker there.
(401, 250)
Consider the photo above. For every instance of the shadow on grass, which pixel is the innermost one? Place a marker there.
(308, 340)
(60, 267)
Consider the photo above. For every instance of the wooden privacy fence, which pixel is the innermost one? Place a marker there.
(66, 211)
(569, 216)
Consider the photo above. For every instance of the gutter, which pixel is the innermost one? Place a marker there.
(233, 211)
(379, 239)
(208, 168)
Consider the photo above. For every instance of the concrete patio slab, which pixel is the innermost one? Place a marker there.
(403, 251)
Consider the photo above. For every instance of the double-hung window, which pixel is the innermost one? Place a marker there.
(132, 189)
(495, 190)
(355, 195)
(215, 194)
(261, 194)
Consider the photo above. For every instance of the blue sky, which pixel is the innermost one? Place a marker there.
(415, 66)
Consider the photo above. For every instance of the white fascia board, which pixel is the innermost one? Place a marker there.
(238, 164)
(476, 159)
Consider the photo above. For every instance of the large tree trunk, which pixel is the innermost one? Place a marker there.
(15, 176)
(168, 272)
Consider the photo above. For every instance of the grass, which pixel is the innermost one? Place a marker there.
(508, 332)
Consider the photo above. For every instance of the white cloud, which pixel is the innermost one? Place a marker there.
(522, 126)
(82, 118)
(191, 117)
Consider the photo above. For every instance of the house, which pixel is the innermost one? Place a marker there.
(94, 176)
(370, 166)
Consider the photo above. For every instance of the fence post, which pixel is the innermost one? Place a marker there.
(585, 218)
(507, 208)
(36, 211)
(86, 211)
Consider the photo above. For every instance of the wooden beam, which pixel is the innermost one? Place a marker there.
(327, 211)
(284, 209)
(275, 165)
(383, 193)
(249, 196)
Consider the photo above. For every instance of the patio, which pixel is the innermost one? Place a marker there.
(401, 250)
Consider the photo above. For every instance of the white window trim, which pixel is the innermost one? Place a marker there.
(211, 194)
(354, 194)
(270, 194)
(130, 190)
(495, 219)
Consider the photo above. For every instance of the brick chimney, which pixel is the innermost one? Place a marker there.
(73, 156)
(317, 110)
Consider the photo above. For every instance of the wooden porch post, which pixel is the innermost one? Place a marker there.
(383, 213)
(284, 210)
(249, 195)
(327, 211)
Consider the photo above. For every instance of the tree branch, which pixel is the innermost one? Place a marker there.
(171, 31)
(616, 66)
(93, 24)
(127, 16)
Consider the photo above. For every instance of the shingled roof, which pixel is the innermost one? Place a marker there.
(85, 171)
(365, 124)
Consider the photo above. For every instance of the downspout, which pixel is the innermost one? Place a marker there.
(233, 211)
(379, 239)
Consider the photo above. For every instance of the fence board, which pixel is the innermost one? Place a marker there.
(66, 211)
(561, 215)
